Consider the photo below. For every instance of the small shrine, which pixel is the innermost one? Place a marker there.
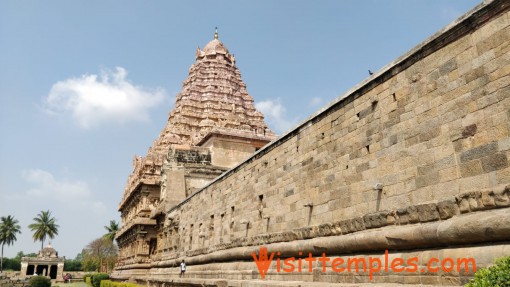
(47, 263)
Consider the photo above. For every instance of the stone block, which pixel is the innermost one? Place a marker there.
(448, 174)
(450, 281)
(358, 224)
(475, 201)
(447, 208)
(411, 279)
(501, 196)
(487, 199)
(494, 162)
(447, 67)
(479, 152)
(402, 216)
(440, 164)
(469, 131)
(391, 218)
(413, 215)
(362, 167)
(429, 134)
(471, 168)
(346, 226)
(481, 181)
(289, 192)
(463, 203)
(427, 212)
(474, 74)
(336, 229)
(375, 220)
(426, 180)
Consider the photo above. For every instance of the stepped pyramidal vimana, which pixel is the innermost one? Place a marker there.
(404, 179)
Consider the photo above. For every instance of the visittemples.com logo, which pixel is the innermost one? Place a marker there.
(373, 265)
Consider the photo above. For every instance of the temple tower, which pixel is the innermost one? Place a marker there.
(213, 126)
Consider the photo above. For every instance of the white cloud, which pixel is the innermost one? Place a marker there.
(93, 99)
(44, 186)
(275, 114)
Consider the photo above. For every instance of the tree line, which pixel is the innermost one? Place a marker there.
(99, 253)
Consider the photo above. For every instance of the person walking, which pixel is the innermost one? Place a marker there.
(183, 268)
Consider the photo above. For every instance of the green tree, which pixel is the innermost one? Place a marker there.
(74, 264)
(44, 226)
(99, 252)
(9, 227)
(19, 255)
(11, 264)
(112, 230)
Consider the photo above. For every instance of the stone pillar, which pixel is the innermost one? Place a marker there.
(60, 269)
(24, 268)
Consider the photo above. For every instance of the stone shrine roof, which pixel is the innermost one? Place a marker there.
(48, 251)
(215, 47)
(46, 255)
(212, 48)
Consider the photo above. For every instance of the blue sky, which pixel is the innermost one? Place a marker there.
(86, 85)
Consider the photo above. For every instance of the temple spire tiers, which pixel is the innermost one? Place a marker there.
(213, 127)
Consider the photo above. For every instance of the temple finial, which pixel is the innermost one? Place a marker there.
(216, 33)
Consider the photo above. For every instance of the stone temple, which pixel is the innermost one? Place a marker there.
(412, 165)
(213, 127)
(46, 263)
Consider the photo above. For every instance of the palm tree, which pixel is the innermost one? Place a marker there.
(112, 230)
(44, 226)
(8, 229)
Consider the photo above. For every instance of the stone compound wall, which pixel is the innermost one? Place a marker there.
(13, 279)
(431, 129)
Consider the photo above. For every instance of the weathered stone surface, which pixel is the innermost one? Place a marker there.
(469, 131)
(501, 196)
(479, 152)
(413, 214)
(447, 208)
(375, 220)
(427, 212)
(494, 162)
(403, 216)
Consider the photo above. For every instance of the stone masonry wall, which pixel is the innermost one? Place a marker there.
(435, 130)
(431, 129)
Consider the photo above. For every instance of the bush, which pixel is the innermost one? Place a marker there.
(40, 281)
(108, 283)
(497, 275)
(87, 279)
(96, 279)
